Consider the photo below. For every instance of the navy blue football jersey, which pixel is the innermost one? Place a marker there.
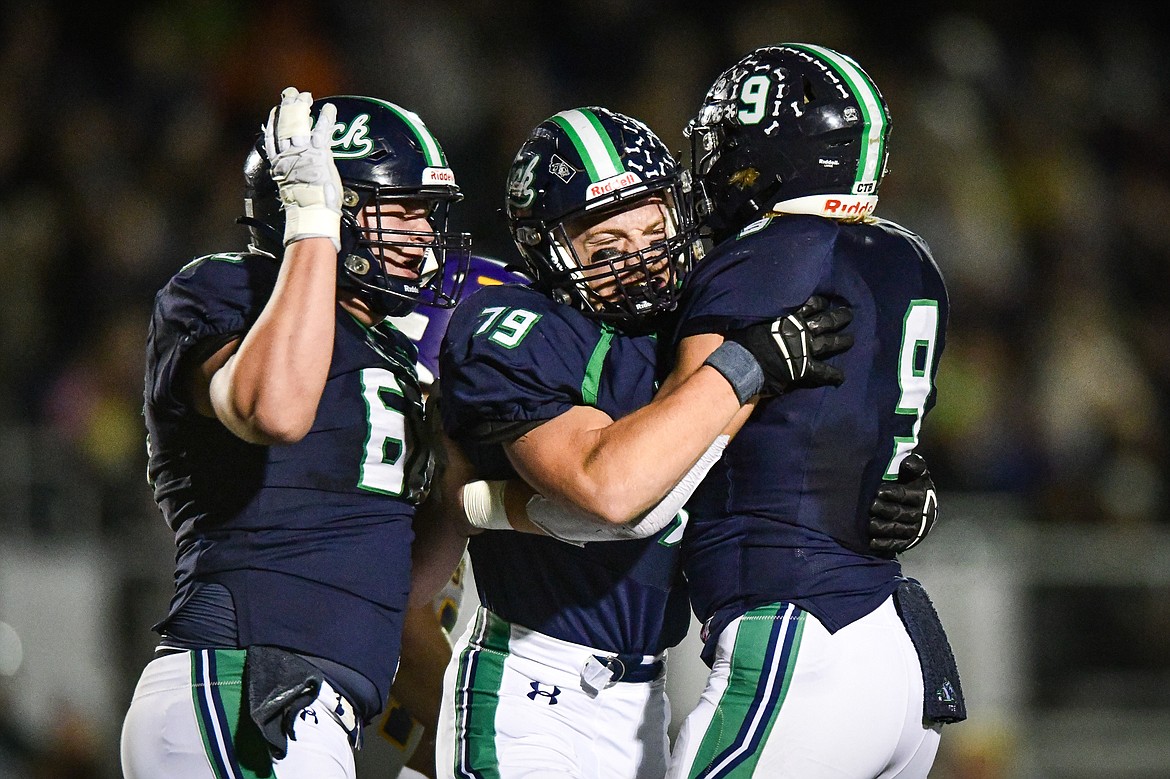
(783, 515)
(312, 539)
(512, 358)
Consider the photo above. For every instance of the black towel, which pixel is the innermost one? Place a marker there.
(279, 684)
(942, 699)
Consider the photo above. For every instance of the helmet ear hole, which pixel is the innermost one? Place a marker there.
(357, 264)
(527, 236)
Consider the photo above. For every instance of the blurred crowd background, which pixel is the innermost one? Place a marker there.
(1029, 148)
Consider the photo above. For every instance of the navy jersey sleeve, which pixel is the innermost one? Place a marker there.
(511, 359)
(210, 301)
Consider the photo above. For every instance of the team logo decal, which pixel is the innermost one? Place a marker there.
(551, 695)
(561, 169)
(352, 141)
(520, 190)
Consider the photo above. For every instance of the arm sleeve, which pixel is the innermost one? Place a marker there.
(576, 527)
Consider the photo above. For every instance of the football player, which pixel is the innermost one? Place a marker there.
(405, 733)
(825, 661)
(287, 450)
(561, 669)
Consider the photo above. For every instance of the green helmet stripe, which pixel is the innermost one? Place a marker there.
(597, 151)
(869, 165)
(430, 144)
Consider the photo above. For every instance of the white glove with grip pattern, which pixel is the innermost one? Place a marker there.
(303, 168)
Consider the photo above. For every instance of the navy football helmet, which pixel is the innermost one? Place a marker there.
(791, 128)
(585, 162)
(383, 153)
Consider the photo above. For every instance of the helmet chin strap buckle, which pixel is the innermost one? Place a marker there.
(355, 263)
(527, 236)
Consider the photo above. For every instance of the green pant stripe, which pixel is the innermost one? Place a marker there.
(231, 741)
(477, 697)
(755, 692)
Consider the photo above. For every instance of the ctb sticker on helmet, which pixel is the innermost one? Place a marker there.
(561, 169)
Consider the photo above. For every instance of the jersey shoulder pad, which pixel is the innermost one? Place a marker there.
(914, 239)
(208, 301)
(760, 275)
(511, 354)
(216, 293)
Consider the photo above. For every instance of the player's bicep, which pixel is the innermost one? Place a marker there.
(553, 458)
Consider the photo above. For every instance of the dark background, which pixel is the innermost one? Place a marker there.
(1029, 147)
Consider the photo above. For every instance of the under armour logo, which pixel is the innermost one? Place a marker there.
(307, 712)
(552, 696)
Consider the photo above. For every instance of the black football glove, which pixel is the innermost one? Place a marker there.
(789, 349)
(905, 510)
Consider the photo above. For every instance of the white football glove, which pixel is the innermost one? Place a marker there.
(302, 166)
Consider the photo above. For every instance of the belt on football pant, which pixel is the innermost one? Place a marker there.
(632, 668)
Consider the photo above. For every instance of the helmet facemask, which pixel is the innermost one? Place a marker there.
(610, 283)
(396, 269)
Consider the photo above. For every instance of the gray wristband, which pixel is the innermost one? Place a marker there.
(740, 368)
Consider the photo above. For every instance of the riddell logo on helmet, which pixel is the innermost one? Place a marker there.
(612, 184)
(438, 176)
(835, 207)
